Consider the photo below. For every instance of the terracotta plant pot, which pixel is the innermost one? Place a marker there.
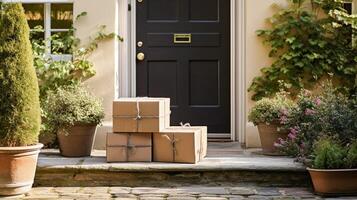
(269, 134)
(334, 182)
(17, 169)
(78, 141)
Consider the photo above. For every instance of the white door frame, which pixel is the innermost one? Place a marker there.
(127, 72)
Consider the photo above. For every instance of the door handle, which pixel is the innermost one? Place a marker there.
(140, 56)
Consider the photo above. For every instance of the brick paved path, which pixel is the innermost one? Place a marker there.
(180, 193)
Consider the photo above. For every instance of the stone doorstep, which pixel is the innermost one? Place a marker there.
(54, 170)
(51, 160)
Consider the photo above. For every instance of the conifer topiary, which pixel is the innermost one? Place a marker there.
(19, 93)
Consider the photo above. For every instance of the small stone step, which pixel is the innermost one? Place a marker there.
(56, 171)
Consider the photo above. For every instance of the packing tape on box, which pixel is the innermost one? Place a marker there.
(173, 142)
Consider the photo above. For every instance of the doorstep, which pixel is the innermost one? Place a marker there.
(222, 167)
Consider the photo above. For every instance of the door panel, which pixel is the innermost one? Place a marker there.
(208, 12)
(194, 71)
(204, 87)
(170, 12)
(156, 80)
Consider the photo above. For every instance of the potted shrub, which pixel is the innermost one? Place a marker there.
(324, 139)
(74, 114)
(270, 114)
(19, 107)
(334, 167)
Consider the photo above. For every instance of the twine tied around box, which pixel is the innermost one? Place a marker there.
(173, 142)
(129, 147)
(185, 125)
(132, 148)
(188, 125)
(138, 116)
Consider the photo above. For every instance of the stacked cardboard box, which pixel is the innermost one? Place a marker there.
(142, 133)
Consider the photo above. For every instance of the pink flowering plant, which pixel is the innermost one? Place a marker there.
(329, 114)
(301, 125)
(271, 110)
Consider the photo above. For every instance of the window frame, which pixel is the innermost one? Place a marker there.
(38, 1)
(47, 25)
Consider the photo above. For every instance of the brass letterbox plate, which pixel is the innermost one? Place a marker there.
(182, 38)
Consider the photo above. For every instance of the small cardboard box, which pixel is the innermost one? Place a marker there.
(129, 147)
(204, 137)
(178, 145)
(141, 114)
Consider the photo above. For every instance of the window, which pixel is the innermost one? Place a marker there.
(348, 7)
(55, 19)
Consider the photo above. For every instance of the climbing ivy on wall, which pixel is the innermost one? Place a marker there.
(308, 40)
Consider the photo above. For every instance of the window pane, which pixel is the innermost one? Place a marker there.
(37, 35)
(61, 43)
(348, 7)
(61, 15)
(34, 14)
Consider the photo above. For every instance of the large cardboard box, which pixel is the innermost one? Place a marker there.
(204, 137)
(178, 145)
(141, 114)
(129, 147)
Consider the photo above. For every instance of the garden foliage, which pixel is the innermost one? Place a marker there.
(19, 96)
(52, 73)
(69, 106)
(308, 40)
(329, 154)
(322, 129)
(271, 110)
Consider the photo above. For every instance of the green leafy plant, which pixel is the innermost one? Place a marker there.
(351, 158)
(303, 126)
(53, 74)
(271, 110)
(309, 40)
(328, 154)
(71, 106)
(330, 114)
(19, 96)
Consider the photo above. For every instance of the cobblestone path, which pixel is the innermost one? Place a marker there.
(179, 193)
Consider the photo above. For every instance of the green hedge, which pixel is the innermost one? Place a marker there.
(19, 97)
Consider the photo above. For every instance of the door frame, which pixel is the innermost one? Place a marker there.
(127, 66)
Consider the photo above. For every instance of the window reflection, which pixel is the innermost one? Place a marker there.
(34, 14)
(54, 28)
(61, 16)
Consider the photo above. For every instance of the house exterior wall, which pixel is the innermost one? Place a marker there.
(256, 53)
(105, 58)
(112, 55)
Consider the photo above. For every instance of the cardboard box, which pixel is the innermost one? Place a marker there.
(179, 145)
(141, 114)
(129, 147)
(204, 137)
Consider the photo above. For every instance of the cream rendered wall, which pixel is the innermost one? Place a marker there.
(256, 53)
(105, 58)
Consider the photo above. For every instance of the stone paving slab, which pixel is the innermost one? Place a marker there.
(56, 171)
(51, 160)
(231, 166)
(176, 193)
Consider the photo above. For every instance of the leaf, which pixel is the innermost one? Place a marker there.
(82, 14)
